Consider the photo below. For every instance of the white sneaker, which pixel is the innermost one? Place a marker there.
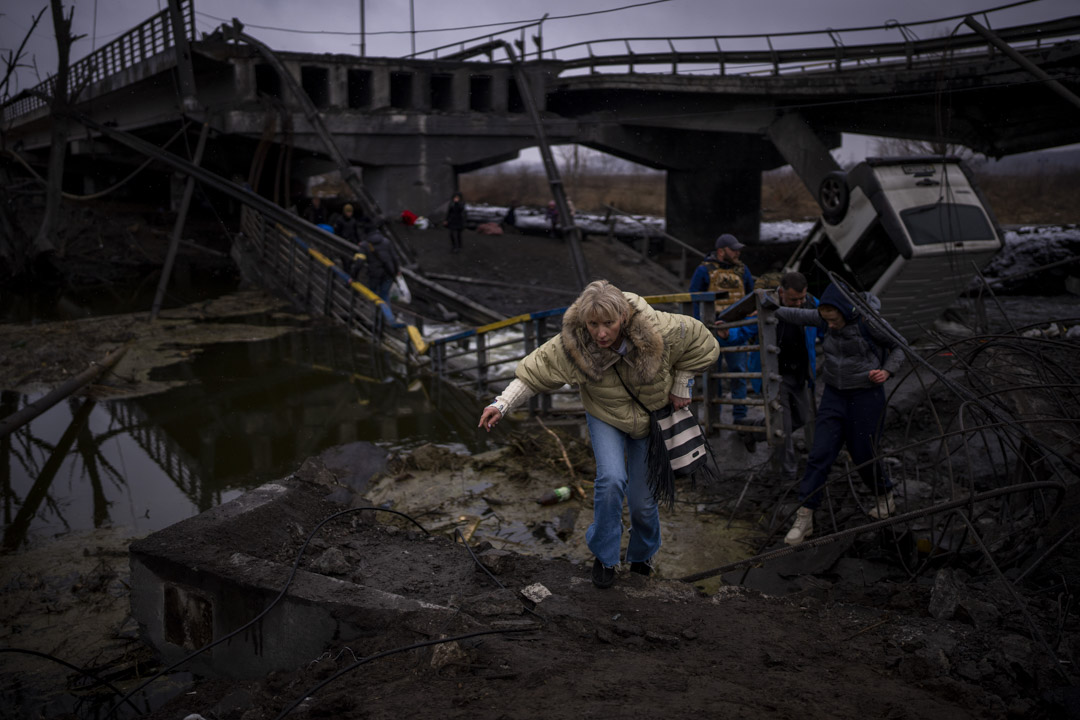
(884, 507)
(803, 527)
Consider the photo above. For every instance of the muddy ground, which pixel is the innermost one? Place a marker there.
(859, 638)
(849, 634)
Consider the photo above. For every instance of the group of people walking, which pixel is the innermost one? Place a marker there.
(373, 261)
(859, 356)
(627, 358)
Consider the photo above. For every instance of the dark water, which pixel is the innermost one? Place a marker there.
(247, 413)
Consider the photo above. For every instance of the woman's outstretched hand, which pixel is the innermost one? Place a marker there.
(490, 417)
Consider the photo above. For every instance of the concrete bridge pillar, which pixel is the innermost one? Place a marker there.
(720, 192)
(500, 91)
(713, 179)
(460, 92)
(705, 202)
(380, 88)
(338, 87)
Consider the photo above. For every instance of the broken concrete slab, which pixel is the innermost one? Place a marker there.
(198, 580)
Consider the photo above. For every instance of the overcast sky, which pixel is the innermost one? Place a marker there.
(333, 26)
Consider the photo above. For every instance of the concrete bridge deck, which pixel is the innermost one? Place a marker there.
(414, 124)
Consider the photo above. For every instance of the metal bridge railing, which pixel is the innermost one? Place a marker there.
(160, 447)
(151, 37)
(752, 54)
(301, 263)
(482, 360)
(750, 312)
(724, 54)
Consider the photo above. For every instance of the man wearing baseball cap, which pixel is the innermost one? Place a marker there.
(723, 271)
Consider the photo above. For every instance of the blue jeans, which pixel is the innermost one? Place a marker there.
(383, 290)
(845, 417)
(736, 362)
(620, 473)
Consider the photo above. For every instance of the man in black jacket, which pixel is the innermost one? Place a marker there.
(382, 265)
(347, 226)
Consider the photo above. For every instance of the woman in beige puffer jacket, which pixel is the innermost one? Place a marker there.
(607, 334)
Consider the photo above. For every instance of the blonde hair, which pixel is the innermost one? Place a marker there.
(600, 300)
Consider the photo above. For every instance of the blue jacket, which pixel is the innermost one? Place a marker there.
(747, 334)
(699, 281)
(852, 351)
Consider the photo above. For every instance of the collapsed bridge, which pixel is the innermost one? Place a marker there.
(702, 108)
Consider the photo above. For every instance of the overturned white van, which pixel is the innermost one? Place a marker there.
(911, 230)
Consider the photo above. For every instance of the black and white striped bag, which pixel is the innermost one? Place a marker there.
(677, 448)
(683, 438)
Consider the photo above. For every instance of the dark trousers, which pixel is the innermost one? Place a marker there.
(845, 417)
(455, 239)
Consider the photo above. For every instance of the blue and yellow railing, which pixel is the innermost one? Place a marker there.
(305, 269)
(474, 359)
(299, 260)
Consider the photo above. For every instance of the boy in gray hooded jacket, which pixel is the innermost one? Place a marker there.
(858, 359)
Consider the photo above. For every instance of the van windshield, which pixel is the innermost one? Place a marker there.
(946, 222)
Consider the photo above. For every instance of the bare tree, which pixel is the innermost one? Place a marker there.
(14, 59)
(61, 101)
(574, 162)
(13, 241)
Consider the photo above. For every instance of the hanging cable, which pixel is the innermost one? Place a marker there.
(602, 12)
(76, 668)
(386, 653)
(449, 29)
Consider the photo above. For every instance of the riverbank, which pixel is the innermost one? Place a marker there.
(855, 632)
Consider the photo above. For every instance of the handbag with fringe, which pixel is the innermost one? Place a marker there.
(677, 448)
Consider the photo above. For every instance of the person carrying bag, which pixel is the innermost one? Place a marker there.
(607, 335)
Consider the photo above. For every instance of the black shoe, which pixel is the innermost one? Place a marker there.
(641, 568)
(749, 441)
(602, 575)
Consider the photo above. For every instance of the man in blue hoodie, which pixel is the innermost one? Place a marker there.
(859, 356)
(797, 363)
(722, 270)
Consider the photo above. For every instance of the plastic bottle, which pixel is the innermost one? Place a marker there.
(554, 496)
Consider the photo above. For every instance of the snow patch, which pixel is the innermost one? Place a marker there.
(535, 219)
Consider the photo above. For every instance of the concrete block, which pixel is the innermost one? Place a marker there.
(200, 579)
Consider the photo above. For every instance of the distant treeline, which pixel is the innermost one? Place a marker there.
(1045, 193)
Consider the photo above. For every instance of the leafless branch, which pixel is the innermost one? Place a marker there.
(13, 61)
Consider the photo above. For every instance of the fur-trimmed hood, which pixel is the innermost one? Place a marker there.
(641, 331)
(662, 347)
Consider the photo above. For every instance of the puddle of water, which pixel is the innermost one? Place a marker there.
(489, 506)
(247, 413)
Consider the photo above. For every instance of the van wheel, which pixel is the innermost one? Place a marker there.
(833, 197)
